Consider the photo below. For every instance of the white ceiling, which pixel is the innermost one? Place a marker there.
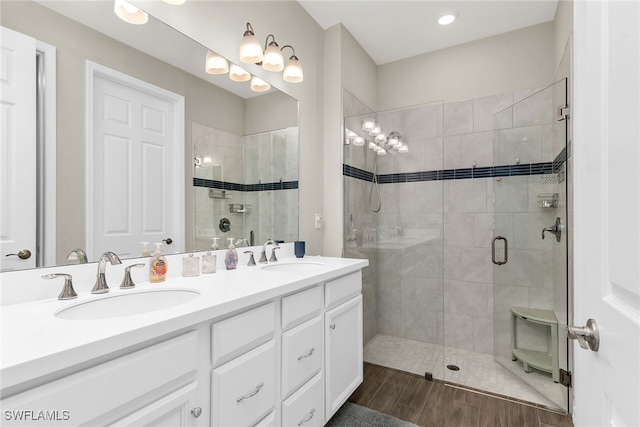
(392, 30)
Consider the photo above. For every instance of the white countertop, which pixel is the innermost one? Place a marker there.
(37, 343)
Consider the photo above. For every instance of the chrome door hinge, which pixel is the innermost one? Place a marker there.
(565, 378)
(563, 112)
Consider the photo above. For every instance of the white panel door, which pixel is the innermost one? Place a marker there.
(18, 150)
(607, 210)
(137, 178)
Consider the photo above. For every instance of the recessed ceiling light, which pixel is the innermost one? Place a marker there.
(447, 18)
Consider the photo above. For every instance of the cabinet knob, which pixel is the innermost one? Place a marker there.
(196, 412)
(332, 326)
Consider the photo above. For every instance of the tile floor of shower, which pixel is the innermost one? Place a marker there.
(477, 370)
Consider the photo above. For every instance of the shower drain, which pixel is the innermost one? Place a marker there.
(453, 367)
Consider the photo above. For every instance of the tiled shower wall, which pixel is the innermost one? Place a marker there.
(442, 291)
(262, 172)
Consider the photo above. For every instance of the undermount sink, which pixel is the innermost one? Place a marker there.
(127, 304)
(294, 266)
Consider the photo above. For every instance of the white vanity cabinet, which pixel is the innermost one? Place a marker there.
(148, 383)
(289, 355)
(343, 340)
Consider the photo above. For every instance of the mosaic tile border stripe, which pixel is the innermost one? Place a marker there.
(448, 174)
(231, 186)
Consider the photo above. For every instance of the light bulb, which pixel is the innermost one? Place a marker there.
(216, 64)
(250, 47)
(129, 13)
(381, 138)
(372, 145)
(381, 152)
(376, 130)
(368, 124)
(238, 74)
(272, 59)
(358, 141)
(403, 149)
(447, 18)
(259, 85)
(293, 71)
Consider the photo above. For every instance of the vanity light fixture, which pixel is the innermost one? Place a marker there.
(250, 47)
(216, 64)
(259, 85)
(447, 18)
(238, 74)
(271, 59)
(129, 13)
(292, 69)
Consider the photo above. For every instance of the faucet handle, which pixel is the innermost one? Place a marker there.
(273, 254)
(67, 291)
(127, 281)
(252, 260)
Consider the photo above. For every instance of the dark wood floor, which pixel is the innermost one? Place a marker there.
(432, 403)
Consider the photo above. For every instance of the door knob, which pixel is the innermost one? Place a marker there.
(168, 240)
(587, 336)
(23, 254)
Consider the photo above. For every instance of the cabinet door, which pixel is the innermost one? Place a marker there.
(178, 409)
(343, 359)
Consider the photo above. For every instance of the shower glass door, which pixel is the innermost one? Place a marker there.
(529, 247)
(393, 216)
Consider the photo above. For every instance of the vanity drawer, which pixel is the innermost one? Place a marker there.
(235, 335)
(340, 290)
(244, 390)
(302, 351)
(305, 407)
(299, 307)
(99, 392)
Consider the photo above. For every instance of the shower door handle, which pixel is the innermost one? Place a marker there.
(493, 250)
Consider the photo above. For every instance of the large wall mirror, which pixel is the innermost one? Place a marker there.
(238, 161)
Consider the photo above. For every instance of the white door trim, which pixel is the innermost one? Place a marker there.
(49, 152)
(177, 181)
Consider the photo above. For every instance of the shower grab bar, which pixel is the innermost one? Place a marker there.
(493, 250)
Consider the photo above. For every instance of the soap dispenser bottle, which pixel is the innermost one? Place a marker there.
(145, 250)
(231, 258)
(157, 266)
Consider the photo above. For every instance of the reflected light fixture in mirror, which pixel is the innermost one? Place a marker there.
(238, 74)
(129, 13)
(259, 85)
(216, 64)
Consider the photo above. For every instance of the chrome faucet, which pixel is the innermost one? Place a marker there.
(101, 286)
(263, 255)
(78, 255)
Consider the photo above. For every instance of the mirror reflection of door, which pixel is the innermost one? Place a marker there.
(135, 178)
(18, 151)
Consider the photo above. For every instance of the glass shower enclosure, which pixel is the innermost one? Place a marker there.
(479, 182)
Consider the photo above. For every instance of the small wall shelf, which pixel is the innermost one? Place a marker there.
(547, 362)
